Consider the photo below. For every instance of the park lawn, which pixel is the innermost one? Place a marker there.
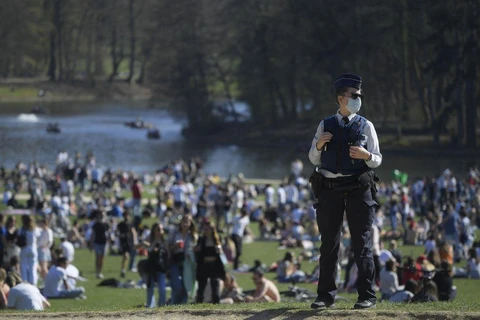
(19, 91)
(112, 299)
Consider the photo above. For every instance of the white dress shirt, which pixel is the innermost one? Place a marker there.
(373, 147)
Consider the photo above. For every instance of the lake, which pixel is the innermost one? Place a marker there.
(99, 127)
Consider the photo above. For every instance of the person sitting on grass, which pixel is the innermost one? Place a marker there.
(4, 289)
(265, 291)
(56, 285)
(231, 293)
(288, 270)
(388, 280)
(23, 295)
(473, 264)
(443, 280)
(14, 265)
(406, 295)
(427, 292)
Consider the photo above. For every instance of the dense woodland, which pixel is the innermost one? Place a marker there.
(420, 60)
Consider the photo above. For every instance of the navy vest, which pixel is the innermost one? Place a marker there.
(336, 158)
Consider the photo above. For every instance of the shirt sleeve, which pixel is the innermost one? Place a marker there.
(373, 146)
(395, 281)
(50, 238)
(315, 155)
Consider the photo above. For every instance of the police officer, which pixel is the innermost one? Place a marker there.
(344, 150)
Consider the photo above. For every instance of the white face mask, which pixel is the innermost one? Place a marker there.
(354, 105)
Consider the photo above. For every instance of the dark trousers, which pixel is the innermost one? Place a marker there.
(238, 249)
(360, 209)
(208, 271)
(378, 268)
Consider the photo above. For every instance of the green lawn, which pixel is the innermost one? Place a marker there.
(19, 91)
(100, 298)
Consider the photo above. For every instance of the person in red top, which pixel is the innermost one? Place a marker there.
(137, 197)
(410, 270)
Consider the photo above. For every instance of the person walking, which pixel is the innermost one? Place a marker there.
(137, 190)
(240, 222)
(344, 150)
(127, 238)
(99, 241)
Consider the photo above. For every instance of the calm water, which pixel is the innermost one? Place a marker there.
(98, 127)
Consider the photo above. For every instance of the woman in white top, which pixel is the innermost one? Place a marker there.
(44, 243)
(473, 265)
(27, 241)
(388, 280)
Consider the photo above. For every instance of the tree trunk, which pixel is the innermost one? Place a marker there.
(147, 52)
(283, 103)
(292, 71)
(117, 57)
(226, 89)
(99, 57)
(437, 122)
(470, 90)
(52, 64)
(88, 65)
(77, 40)
(292, 80)
(459, 139)
(131, 28)
(405, 83)
(58, 31)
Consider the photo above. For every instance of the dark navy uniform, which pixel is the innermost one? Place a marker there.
(343, 184)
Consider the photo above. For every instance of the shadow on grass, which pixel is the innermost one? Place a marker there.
(268, 314)
(285, 314)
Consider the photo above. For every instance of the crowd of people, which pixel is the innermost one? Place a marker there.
(201, 224)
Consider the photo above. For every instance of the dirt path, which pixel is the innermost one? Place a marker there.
(273, 314)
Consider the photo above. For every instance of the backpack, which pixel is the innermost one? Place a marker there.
(158, 261)
(22, 238)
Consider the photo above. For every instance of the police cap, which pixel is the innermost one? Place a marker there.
(348, 80)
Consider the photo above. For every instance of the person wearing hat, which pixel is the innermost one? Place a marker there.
(344, 150)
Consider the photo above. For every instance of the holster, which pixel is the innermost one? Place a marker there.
(316, 183)
(369, 179)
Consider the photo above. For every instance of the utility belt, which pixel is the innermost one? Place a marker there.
(343, 184)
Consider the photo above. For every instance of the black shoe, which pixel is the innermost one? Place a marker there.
(365, 304)
(122, 274)
(319, 304)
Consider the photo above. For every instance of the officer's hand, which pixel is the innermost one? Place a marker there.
(359, 153)
(324, 138)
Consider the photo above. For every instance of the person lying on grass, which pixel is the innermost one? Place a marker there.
(265, 290)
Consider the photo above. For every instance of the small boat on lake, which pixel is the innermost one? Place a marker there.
(138, 124)
(53, 128)
(38, 110)
(153, 133)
